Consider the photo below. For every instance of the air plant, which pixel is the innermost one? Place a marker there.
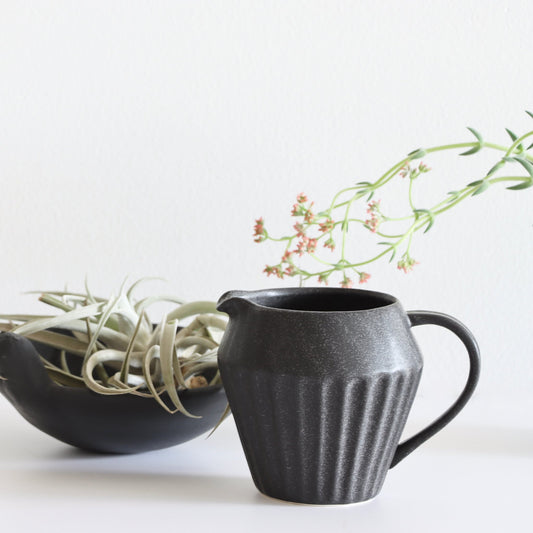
(120, 350)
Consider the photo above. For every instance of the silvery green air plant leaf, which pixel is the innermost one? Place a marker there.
(122, 351)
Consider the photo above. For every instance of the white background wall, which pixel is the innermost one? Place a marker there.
(143, 138)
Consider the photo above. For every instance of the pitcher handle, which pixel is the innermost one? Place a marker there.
(419, 318)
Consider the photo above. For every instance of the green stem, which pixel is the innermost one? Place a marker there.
(280, 239)
(411, 194)
(508, 178)
(511, 148)
(340, 193)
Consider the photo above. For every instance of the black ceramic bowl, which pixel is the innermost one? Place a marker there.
(95, 422)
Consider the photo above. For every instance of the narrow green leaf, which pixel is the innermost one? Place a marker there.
(225, 414)
(153, 353)
(430, 223)
(61, 377)
(526, 164)
(56, 340)
(530, 146)
(106, 313)
(194, 340)
(475, 183)
(370, 196)
(176, 367)
(476, 134)
(64, 363)
(90, 297)
(212, 321)
(92, 362)
(77, 295)
(473, 150)
(521, 186)
(495, 168)
(453, 198)
(138, 282)
(55, 302)
(25, 318)
(193, 308)
(529, 113)
(216, 379)
(124, 371)
(514, 137)
(58, 321)
(112, 338)
(511, 134)
(200, 368)
(417, 154)
(482, 188)
(167, 352)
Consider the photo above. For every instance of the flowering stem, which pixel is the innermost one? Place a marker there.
(313, 228)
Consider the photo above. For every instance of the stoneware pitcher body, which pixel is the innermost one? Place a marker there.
(320, 382)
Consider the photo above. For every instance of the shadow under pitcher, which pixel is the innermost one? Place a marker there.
(321, 381)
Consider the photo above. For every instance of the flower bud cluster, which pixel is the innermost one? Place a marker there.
(259, 230)
(407, 263)
(413, 172)
(375, 219)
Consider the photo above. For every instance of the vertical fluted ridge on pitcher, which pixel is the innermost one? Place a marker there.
(344, 450)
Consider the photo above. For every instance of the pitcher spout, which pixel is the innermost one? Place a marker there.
(232, 302)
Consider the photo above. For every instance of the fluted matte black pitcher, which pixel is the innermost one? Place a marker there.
(320, 382)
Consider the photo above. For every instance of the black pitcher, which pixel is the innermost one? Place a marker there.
(320, 382)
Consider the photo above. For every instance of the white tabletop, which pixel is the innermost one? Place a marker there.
(474, 476)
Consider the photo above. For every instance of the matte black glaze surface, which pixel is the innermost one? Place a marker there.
(94, 422)
(320, 382)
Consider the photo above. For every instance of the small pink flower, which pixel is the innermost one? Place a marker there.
(407, 264)
(311, 245)
(301, 198)
(405, 170)
(376, 218)
(363, 277)
(298, 210)
(322, 278)
(423, 168)
(327, 225)
(373, 206)
(286, 256)
(289, 271)
(373, 223)
(301, 246)
(269, 270)
(330, 243)
(299, 228)
(309, 215)
(347, 283)
(259, 230)
(273, 270)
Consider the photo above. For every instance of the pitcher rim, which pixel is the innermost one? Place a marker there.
(388, 300)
